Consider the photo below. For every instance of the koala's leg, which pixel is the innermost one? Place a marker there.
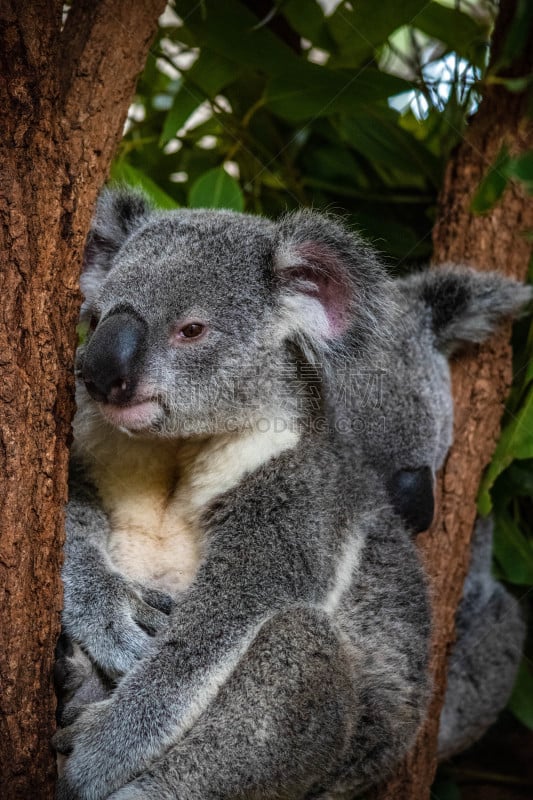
(485, 658)
(279, 727)
(77, 682)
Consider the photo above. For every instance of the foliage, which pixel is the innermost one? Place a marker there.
(354, 109)
(348, 111)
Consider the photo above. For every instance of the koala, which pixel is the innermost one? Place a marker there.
(483, 664)
(405, 422)
(402, 405)
(401, 410)
(291, 659)
(294, 659)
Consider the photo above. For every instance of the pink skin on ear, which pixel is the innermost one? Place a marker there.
(322, 274)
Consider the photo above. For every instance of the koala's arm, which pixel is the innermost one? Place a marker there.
(308, 698)
(112, 617)
(260, 560)
(268, 727)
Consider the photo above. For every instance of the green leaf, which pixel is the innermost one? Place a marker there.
(329, 163)
(185, 102)
(517, 480)
(513, 551)
(315, 91)
(216, 189)
(492, 185)
(207, 76)
(122, 172)
(453, 27)
(211, 72)
(518, 434)
(516, 441)
(529, 372)
(230, 30)
(521, 168)
(521, 702)
(484, 501)
(307, 18)
(377, 136)
(518, 34)
(445, 788)
(82, 331)
(359, 29)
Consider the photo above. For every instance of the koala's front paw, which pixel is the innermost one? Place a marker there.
(78, 682)
(64, 791)
(85, 772)
(117, 626)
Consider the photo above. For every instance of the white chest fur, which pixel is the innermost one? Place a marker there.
(154, 492)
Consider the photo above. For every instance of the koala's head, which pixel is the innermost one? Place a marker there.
(408, 433)
(198, 318)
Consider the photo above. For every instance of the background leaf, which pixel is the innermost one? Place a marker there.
(493, 184)
(521, 703)
(122, 172)
(216, 189)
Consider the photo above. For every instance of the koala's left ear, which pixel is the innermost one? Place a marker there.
(465, 305)
(118, 213)
(331, 283)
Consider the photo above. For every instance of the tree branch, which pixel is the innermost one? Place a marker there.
(64, 98)
(104, 48)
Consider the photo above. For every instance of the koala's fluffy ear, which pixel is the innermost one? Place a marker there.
(332, 284)
(118, 213)
(465, 305)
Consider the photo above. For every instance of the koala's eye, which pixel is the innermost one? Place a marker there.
(192, 330)
(93, 322)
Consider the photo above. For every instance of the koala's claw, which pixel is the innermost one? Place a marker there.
(117, 630)
(64, 790)
(84, 776)
(64, 678)
(77, 681)
(150, 610)
(157, 599)
(63, 740)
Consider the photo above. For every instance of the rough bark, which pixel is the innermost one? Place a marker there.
(64, 96)
(481, 378)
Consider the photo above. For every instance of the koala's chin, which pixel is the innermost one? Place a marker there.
(144, 415)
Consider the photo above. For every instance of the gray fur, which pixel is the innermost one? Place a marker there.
(484, 662)
(405, 418)
(466, 304)
(317, 671)
(411, 427)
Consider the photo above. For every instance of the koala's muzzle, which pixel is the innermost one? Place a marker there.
(413, 497)
(113, 358)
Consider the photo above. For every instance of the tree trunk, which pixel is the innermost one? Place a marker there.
(64, 94)
(494, 241)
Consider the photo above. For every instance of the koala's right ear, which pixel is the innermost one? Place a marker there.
(465, 305)
(331, 284)
(118, 213)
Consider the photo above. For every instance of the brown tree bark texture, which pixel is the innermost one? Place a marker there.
(64, 94)
(481, 378)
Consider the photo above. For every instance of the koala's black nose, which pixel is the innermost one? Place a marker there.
(413, 497)
(113, 358)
